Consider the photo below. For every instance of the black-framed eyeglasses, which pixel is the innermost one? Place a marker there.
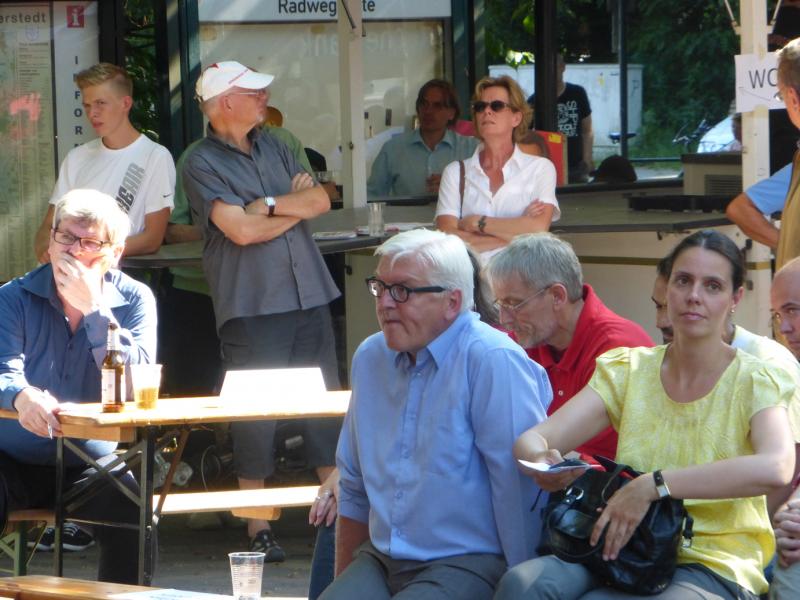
(514, 308)
(496, 105)
(398, 291)
(65, 238)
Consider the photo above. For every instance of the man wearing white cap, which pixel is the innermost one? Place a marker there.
(268, 281)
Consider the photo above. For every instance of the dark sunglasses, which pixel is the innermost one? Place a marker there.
(495, 105)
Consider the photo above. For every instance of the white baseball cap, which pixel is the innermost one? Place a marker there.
(222, 76)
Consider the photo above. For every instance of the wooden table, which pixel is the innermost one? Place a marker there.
(144, 430)
(41, 587)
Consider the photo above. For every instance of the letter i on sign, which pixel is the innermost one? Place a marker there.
(74, 16)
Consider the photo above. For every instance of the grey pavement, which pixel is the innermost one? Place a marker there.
(198, 560)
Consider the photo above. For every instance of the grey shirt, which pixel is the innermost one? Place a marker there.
(284, 274)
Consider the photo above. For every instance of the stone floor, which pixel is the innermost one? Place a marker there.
(198, 561)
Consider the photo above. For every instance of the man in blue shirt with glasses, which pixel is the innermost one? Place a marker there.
(431, 503)
(55, 324)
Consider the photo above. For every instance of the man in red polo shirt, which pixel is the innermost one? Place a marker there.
(560, 321)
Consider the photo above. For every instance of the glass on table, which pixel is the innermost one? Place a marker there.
(246, 571)
(145, 380)
(376, 225)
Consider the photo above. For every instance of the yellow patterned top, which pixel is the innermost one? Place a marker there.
(732, 537)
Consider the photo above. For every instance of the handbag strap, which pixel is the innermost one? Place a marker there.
(461, 184)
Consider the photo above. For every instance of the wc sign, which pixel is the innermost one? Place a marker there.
(756, 82)
(75, 16)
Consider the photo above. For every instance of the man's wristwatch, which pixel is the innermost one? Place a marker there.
(482, 223)
(661, 485)
(269, 202)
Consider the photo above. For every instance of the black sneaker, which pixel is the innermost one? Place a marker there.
(265, 542)
(74, 539)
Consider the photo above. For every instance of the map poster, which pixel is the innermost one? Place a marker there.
(37, 97)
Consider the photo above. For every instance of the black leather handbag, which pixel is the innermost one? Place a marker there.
(647, 563)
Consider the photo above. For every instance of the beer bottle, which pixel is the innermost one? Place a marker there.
(112, 373)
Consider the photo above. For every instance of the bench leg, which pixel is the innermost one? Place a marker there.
(15, 545)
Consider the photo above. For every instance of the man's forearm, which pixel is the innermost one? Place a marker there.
(179, 232)
(350, 534)
(303, 204)
(751, 221)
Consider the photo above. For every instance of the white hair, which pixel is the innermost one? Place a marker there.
(91, 207)
(443, 259)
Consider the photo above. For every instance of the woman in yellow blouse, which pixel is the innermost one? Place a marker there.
(709, 420)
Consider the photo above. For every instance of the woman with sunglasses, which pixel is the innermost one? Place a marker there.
(506, 192)
(701, 420)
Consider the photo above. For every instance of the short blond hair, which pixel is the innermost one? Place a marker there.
(102, 73)
(516, 100)
(91, 207)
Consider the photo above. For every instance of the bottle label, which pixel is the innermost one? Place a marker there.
(108, 387)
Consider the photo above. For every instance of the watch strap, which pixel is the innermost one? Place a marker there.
(269, 201)
(661, 485)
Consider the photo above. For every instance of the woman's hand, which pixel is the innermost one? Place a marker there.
(324, 508)
(787, 533)
(550, 482)
(470, 223)
(535, 208)
(623, 513)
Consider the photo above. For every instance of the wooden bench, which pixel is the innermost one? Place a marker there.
(251, 504)
(14, 542)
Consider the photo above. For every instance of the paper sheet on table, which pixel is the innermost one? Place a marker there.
(322, 236)
(536, 466)
(394, 227)
(168, 594)
(261, 385)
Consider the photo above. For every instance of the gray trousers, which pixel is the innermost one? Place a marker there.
(301, 338)
(785, 583)
(376, 576)
(550, 578)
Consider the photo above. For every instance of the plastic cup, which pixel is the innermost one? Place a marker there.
(246, 570)
(375, 224)
(145, 381)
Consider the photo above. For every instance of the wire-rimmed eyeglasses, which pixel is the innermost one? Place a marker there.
(65, 238)
(398, 291)
(514, 308)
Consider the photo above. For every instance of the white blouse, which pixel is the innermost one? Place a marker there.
(525, 178)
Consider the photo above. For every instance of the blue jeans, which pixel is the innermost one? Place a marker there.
(323, 561)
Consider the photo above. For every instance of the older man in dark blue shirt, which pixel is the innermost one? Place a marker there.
(55, 322)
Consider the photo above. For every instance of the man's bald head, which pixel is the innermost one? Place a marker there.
(785, 303)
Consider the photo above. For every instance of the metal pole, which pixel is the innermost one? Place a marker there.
(622, 49)
(545, 45)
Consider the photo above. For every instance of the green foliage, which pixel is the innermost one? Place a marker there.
(140, 62)
(511, 30)
(687, 50)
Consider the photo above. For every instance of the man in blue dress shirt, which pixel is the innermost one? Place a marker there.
(431, 504)
(411, 163)
(55, 323)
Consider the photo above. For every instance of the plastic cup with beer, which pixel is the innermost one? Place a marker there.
(246, 570)
(145, 380)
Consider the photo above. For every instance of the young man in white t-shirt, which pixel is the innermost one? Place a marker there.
(121, 162)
